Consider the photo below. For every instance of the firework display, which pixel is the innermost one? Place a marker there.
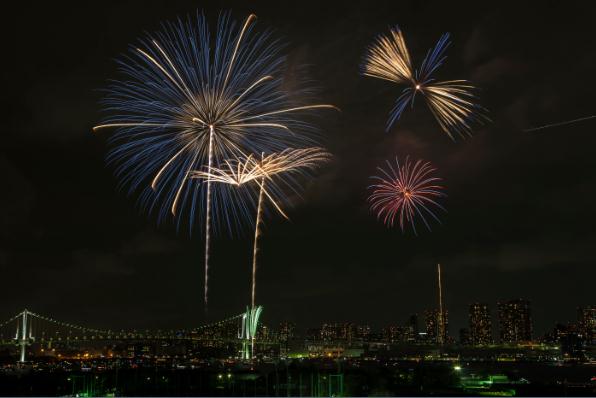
(188, 100)
(271, 174)
(404, 192)
(207, 131)
(452, 102)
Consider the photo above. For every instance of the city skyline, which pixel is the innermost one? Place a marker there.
(231, 198)
(75, 246)
(89, 361)
(510, 323)
(514, 328)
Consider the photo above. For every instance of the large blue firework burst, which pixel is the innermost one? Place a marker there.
(180, 91)
(187, 100)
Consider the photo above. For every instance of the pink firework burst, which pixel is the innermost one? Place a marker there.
(404, 192)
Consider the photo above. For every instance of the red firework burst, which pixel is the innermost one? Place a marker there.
(406, 191)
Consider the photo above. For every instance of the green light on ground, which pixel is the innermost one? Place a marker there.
(504, 393)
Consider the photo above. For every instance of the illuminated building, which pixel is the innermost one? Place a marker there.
(586, 317)
(430, 320)
(338, 331)
(264, 332)
(413, 327)
(515, 321)
(286, 331)
(395, 334)
(363, 332)
(570, 339)
(436, 331)
(286, 334)
(480, 324)
(400, 334)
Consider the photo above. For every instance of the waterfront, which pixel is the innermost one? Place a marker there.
(296, 377)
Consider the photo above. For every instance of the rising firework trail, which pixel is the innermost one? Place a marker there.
(272, 174)
(452, 102)
(188, 101)
(565, 123)
(441, 322)
(405, 191)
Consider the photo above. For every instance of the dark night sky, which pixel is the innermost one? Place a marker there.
(521, 215)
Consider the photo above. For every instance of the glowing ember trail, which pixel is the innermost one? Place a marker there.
(270, 174)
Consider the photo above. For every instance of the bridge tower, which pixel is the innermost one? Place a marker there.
(250, 323)
(24, 334)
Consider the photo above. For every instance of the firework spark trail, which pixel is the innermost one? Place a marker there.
(451, 102)
(208, 218)
(546, 126)
(241, 172)
(188, 101)
(255, 248)
(405, 191)
(210, 165)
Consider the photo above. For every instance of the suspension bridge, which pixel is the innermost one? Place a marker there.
(28, 328)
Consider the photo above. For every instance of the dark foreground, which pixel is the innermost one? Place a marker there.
(298, 377)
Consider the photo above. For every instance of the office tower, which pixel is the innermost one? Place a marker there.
(338, 331)
(586, 319)
(433, 328)
(515, 321)
(395, 334)
(286, 331)
(363, 332)
(430, 320)
(480, 324)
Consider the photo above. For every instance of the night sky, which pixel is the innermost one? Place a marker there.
(520, 219)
